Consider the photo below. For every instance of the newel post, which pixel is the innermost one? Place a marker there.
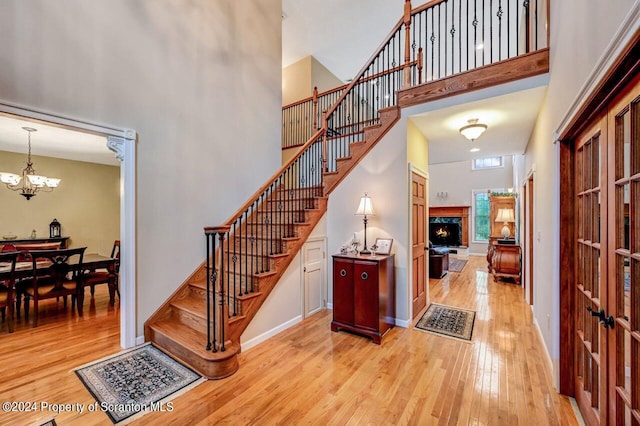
(315, 109)
(407, 44)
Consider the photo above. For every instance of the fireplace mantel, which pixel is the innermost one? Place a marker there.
(454, 211)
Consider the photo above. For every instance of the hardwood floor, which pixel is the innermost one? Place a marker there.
(310, 375)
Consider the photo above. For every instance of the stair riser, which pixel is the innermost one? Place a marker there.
(280, 218)
(196, 321)
(210, 370)
(265, 244)
(307, 195)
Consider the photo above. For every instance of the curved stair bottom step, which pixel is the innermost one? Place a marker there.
(179, 341)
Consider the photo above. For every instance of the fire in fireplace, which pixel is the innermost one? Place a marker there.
(445, 234)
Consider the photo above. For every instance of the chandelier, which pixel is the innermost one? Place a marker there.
(31, 183)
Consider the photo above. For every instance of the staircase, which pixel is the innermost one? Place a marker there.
(202, 322)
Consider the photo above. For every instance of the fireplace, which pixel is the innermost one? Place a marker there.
(445, 232)
(452, 214)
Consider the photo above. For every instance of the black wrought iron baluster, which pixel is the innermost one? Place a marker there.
(509, 29)
(221, 238)
(536, 24)
(228, 248)
(475, 34)
(460, 36)
(252, 254)
(263, 231)
(432, 39)
(269, 207)
(235, 276)
(288, 198)
(499, 15)
(244, 220)
(490, 31)
(209, 279)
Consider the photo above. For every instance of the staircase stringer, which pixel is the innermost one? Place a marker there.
(373, 134)
(267, 283)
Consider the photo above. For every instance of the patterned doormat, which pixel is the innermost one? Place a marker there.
(448, 321)
(133, 383)
(456, 265)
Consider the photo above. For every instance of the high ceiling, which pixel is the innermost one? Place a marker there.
(358, 27)
(342, 35)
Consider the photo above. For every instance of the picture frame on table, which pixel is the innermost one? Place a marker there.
(383, 245)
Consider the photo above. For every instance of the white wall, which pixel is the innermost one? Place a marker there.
(283, 307)
(458, 180)
(188, 77)
(576, 45)
(383, 174)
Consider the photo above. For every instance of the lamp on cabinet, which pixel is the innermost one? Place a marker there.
(505, 216)
(365, 208)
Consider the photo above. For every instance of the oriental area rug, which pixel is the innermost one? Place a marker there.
(133, 383)
(456, 265)
(448, 321)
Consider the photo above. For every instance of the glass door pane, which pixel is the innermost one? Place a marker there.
(626, 250)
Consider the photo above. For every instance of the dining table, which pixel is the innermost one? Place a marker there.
(90, 261)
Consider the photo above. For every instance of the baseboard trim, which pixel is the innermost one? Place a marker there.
(548, 361)
(270, 333)
(139, 340)
(403, 323)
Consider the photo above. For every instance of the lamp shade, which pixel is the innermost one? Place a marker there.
(505, 215)
(366, 206)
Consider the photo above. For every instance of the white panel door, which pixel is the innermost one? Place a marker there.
(313, 277)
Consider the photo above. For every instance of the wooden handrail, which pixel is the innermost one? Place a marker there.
(310, 98)
(364, 69)
(427, 5)
(264, 187)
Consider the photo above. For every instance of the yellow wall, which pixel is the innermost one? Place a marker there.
(417, 147)
(299, 79)
(87, 202)
(296, 81)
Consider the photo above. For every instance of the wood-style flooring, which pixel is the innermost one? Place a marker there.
(310, 375)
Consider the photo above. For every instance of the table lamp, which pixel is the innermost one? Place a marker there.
(505, 216)
(365, 208)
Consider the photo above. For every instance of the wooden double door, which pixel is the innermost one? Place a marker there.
(606, 294)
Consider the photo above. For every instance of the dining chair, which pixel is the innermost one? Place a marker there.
(7, 286)
(56, 273)
(101, 276)
(26, 248)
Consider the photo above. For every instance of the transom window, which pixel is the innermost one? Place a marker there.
(487, 163)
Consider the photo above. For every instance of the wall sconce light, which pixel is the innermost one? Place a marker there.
(365, 209)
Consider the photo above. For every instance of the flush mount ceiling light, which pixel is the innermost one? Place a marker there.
(473, 130)
(31, 183)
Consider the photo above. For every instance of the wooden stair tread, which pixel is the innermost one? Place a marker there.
(249, 296)
(193, 305)
(177, 324)
(192, 339)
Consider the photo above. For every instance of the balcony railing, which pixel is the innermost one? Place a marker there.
(437, 40)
